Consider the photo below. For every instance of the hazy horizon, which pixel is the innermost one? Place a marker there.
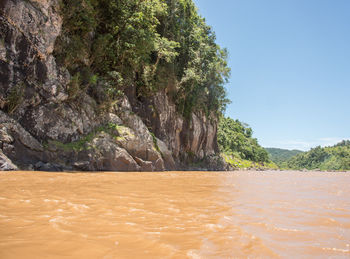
(306, 146)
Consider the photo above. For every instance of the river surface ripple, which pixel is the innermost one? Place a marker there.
(175, 215)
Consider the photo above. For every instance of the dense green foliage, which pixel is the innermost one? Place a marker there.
(279, 156)
(336, 157)
(110, 45)
(235, 139)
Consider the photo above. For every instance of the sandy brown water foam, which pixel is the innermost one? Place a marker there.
(175, 215)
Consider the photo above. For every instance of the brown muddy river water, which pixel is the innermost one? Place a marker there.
(175, 215)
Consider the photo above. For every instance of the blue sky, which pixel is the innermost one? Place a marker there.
(290, 67)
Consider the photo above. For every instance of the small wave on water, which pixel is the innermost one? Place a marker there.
(288, 229)
(78, 207)
(336, 249)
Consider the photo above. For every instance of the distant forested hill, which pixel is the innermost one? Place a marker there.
(336, 157)
(278, 155)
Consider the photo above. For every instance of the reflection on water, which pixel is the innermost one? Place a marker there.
(174, 215)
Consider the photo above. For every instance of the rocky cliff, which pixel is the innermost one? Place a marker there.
(41, 129)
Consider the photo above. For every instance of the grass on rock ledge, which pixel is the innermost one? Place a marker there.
(238, 163)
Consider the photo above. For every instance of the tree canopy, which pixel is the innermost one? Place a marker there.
(149, 44)
(235, 138)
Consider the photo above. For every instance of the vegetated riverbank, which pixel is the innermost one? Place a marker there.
(331, 158)
(239, 149)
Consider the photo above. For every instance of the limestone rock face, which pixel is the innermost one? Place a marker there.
(63, 122)
(168, 125)
(42, 129)
(202, 136)
(28, 30)
(108, 156)
(38, 21)
(139, 141)
(6, 164)
(166, 155)
(16, 143)
(12, 130)
(187, 140)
